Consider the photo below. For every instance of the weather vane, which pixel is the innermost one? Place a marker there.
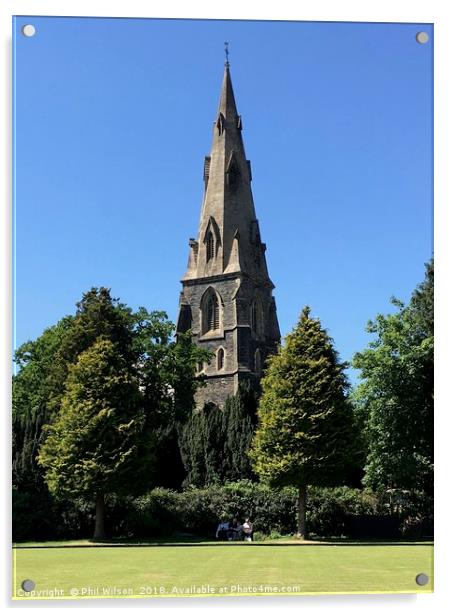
(226, 51)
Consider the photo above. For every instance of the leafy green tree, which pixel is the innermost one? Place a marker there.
(43, 367)
(395, 397)
(36, 385)
(98, 314)
(165, 371)
(176, 372)
(306, 431)
(98, 442)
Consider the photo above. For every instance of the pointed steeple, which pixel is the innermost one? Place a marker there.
(228, 238)
(227, 105)
(226, 300)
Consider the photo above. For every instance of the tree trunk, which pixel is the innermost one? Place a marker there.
(99, 530)
(302, 512)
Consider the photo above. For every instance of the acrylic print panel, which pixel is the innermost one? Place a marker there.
(187, 195)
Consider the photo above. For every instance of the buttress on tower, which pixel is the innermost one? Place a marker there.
(226, 300)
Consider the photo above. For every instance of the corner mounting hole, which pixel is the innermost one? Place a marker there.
(421, 579)
(28, 585)
(28, 30)
(422, 37)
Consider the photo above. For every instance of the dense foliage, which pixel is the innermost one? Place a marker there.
(37, 391)
(100, 440)
(273, 512)
(104, 400)
(163, 372)
(161, 512)
(214, 442)
(306, 433)
(395, 400)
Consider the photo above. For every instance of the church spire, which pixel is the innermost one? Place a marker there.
(226, 300)
(228, 237)
(227, 100)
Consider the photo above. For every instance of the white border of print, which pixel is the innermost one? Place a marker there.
(434, 11)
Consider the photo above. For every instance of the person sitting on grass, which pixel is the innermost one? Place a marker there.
(247, 528)
(222, 530)
(235, 529)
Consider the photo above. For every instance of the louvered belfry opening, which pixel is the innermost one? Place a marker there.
(210, 246)
(212, 313)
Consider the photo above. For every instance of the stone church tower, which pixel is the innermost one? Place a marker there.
(226, 299)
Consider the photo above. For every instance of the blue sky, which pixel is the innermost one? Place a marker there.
(113, 119)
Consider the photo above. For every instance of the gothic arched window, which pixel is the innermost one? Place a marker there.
(210, 310)
(220, 359)
(210, 246)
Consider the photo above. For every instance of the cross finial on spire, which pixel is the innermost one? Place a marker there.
(226, 51)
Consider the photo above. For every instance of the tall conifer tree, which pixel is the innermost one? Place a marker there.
(100, 440)
(215, 442)
(239, 425)
(306, 431)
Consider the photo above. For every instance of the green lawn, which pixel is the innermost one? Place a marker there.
(220, 569)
